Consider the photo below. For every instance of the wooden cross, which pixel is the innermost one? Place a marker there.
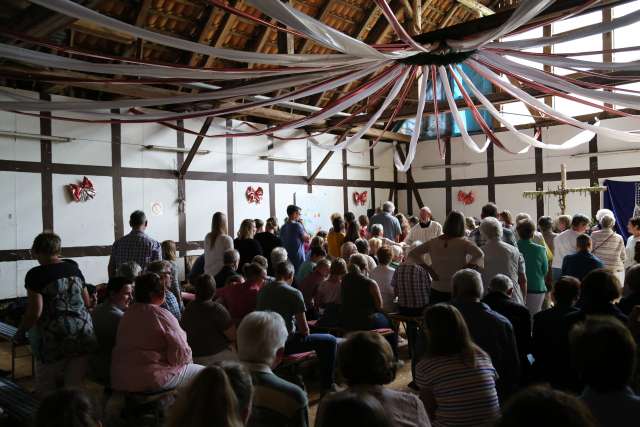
(562, 191)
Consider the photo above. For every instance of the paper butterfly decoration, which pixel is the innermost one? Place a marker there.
(466, 198)
(360, 198)
(254, 195)
(83, 191)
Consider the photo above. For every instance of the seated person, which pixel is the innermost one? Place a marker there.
(262, 262)
(240, 299)
(163, 270)
(65, 408)
(367, 364)
(315, 255)
(261, 340)
(106, 318)
(548, 332)
(242, 385)
(456, 377)
(196, 269)
(363, 247)
(328, 296)
(151, 352)
(632, 290)
(231, 259)
(382, 275)
(209, 397)
(347, 249)
(583, 261)
(605, 356)
(349, 409)
(129, 270)
(287, 301)
(210, 330)
(500, 299)
(542, 406)
(309, 286)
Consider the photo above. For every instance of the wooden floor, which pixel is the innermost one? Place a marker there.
(25, 379)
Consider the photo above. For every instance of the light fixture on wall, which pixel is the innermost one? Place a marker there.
(354, 166)
(281, 159)
(35, 136)
(604, 153)
(173, 149)
(452, 165)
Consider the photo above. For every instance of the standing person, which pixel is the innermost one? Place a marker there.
(426, 229)
(352, 228)
(563, 223)
(57, 320)
(405, 227)
(245, 244)
(633, 243)
(608, 246)
(268, 241)
(363, 222)
(282, 298)
(506, 219)
(294, 236)
(106, 318)
(390, 225)
(583, 261)
(216, 243)
(169, 254)
(490, 331)
(136, 246)
(336, 237)
(449, 253)
(491, 210)
(545, 223)
(502, 258)
(456, 377)
(535, 259)
(565, 243)
(259, 225)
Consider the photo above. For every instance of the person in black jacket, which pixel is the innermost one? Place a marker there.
(499, 299)
(268, 240)
(632, 290)
(548, 332)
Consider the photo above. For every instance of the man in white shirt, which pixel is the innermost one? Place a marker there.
(632, 242)
(565, 243)
(426, 229)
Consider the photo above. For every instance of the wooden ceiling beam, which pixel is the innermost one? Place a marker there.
(202, 35)
(225, 26)
(322, 16)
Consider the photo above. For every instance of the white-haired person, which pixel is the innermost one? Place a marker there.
(262, 336)
(281, 297)
(537, 265)
(491, 331)
(426, 229)
(609, 245)
(502, 258)
(390, 224)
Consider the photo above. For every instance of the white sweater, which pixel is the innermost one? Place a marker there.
(424, 234)
(213, 257)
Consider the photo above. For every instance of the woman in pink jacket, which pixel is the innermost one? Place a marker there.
(151, 352)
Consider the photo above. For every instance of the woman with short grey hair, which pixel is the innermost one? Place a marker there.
(609, 246)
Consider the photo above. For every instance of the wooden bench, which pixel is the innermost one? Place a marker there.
(17, 403)
(7, 332)
(291, 364)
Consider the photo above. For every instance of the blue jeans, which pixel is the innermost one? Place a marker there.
(556, 273)
(414, 335)
(324, 345)
(380, 321)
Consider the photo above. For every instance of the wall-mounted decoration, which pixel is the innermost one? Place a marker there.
(254, 195)
(360, 199)
(83, 191)
(157, 208)
(466, 198)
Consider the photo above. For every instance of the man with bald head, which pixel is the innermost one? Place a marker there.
(426, 229)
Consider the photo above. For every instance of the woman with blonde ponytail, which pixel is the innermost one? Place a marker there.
(216, 243)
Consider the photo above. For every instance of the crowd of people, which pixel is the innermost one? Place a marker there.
(508, 322)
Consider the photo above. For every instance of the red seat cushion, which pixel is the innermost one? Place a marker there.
(298, 357)
(383, 331)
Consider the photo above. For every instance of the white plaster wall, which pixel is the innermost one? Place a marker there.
(427, 154)
(83, 223)
(12, 278)
(506, 163)
(509, 197)
(294, 149)
(135, 136)
(20, 210)
(358, 154)
(460, 153)
(216, 160)
(246, 151)
(383, 157)
(94, 268)
(204, 198)
(333, 168)
(144, 193)
(436, 199)
(552, 159)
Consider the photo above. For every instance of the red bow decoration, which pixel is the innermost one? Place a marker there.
(360, 198)
(466, 198)
(254, 195)
(83, 191)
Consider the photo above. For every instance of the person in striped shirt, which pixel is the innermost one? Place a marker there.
(456, 378)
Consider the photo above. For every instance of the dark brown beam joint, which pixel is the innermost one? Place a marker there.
(194, 148)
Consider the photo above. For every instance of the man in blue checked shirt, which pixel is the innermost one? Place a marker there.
(136, 246)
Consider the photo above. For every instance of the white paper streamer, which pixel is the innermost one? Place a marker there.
(582, 138)
(563, 62)
(589, 30)
(69, 8)
(527, 10)
(413, 143)
(468, 141)
(533, 74)
(524, 96)
(374, 118)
